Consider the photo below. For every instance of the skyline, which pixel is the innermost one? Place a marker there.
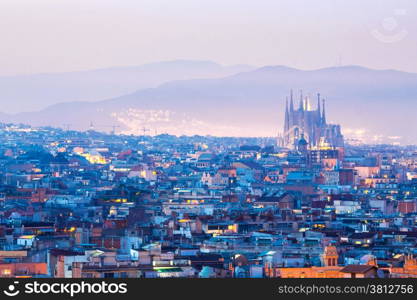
(97, 34)
(167, 103)
(60, 56)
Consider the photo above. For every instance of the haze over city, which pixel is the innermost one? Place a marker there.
(57, 52)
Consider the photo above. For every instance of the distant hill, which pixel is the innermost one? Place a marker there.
(35, 92)
(378, 105)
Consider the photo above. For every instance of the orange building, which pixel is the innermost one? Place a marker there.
(23, 269)
(330, 269)
(409, 270)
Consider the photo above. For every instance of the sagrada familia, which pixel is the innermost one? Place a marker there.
(309, 125)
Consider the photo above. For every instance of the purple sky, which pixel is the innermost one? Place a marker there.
(68, 35)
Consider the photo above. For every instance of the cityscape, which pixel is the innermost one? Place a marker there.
(233, 140)
(304, 204)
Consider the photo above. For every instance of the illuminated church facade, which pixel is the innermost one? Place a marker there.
(309, 125)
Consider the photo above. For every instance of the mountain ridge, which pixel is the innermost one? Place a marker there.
(252, 102)
(32, 92)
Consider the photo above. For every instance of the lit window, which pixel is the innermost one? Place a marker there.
(7, 272)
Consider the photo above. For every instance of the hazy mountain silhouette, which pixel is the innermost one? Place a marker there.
(382, 102)
(34, 92)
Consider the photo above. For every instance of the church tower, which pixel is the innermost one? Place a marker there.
(302, 145)
(330, 256)
(287, 118)
(309, 122)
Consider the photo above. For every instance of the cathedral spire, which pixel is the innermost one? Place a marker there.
(323, 118)
(301, 106)
(318, 104)
(307, 104)
(287, 116)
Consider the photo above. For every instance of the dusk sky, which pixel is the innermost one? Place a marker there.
(68, 35)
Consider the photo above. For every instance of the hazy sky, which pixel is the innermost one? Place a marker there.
(67, 35)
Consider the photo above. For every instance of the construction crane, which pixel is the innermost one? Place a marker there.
(113, 127)
(145, 130)
(66, 126)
